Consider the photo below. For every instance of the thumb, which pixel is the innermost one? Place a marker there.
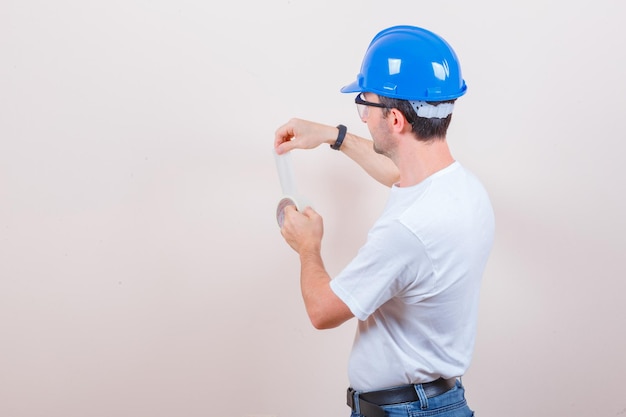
(284, 147)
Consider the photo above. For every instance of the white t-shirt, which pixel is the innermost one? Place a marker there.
(414, 285)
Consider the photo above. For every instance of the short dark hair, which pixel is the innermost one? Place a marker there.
(425, 129)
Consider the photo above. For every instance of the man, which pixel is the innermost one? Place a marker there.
(414, 285)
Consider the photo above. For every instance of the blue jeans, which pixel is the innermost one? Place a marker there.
(449, 404)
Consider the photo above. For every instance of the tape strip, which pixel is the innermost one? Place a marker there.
(285, 173)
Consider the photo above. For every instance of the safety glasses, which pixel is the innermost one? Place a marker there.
(362, 105)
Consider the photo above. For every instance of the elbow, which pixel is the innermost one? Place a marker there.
(318, 320)
(323, 324)
(323, 321)
(325, 309)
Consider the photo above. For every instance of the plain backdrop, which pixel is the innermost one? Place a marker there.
(142, 273)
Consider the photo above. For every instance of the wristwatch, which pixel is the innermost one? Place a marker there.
(340, 137)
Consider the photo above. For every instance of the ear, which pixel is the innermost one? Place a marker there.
(397, 121)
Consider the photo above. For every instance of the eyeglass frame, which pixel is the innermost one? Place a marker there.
(361, 107)
(362, 104)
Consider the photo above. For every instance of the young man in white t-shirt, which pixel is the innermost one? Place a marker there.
(414, 285)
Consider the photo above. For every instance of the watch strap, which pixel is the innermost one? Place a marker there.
(340, 137)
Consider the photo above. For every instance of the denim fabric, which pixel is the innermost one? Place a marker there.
(448, 404)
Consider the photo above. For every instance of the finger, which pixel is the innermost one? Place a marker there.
(290, 208)
(283, 134)
(284, 147)
(309, 211)
(288, 213)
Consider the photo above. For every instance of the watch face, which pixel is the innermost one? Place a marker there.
(280, 210)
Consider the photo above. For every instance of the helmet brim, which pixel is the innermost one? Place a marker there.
(353, 87)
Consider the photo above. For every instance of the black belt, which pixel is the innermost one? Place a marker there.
(370, 402)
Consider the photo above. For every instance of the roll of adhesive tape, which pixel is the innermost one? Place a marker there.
(280, 209)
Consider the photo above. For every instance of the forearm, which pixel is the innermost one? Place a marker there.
(303, 134)
(324, 308)
(378, 166)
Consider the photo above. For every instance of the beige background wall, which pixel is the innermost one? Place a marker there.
(141, 269)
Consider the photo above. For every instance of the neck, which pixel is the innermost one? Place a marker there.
(417, 160)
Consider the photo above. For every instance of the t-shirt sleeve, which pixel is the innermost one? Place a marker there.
(392, 261)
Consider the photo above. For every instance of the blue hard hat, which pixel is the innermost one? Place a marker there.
(409, 63)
